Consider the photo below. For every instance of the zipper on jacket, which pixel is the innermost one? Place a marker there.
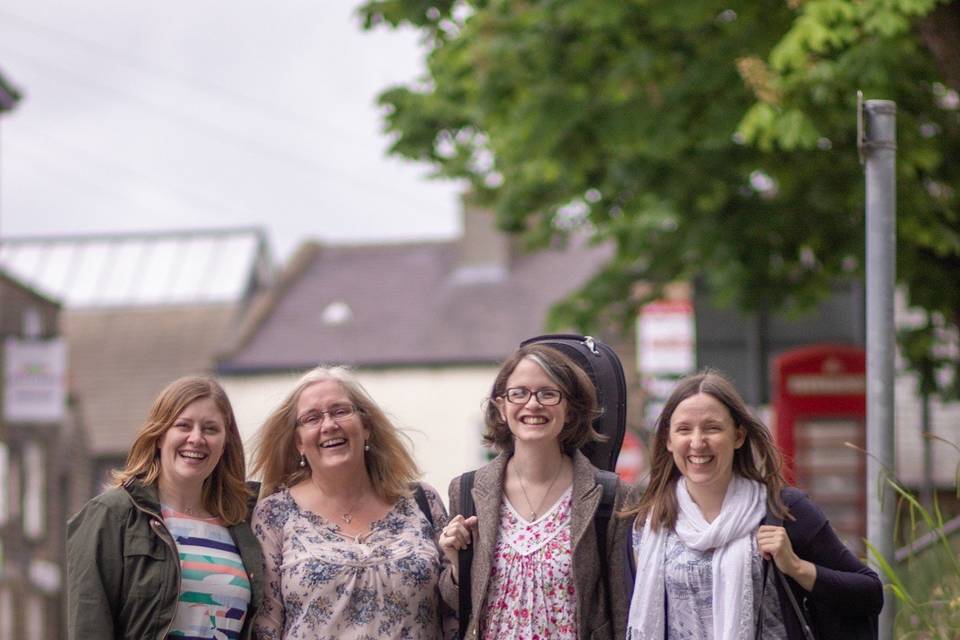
(157, 524)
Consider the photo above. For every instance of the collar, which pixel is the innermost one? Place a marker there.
(143, 495)
(489, 478)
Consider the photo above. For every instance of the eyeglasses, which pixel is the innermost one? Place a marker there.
(337, 414)
(520, 395)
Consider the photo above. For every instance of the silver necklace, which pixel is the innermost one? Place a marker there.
(533, 512)
(348, 514)
(190, 511)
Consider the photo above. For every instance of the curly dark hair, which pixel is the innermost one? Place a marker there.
(577, 388)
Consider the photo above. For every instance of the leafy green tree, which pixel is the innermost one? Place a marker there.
(703, 138)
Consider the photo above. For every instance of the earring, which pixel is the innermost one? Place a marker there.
(366, 445)
(303, 460)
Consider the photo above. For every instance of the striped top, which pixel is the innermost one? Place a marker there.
(214, 587)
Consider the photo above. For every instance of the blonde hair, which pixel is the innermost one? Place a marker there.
(225, 491)
(389, 464)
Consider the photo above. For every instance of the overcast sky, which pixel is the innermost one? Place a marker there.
(143, 116)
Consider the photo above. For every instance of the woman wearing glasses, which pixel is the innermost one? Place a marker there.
(348, 551)
(536, 565)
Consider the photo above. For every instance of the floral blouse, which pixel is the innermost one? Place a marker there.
(531, 594)
(321, 585)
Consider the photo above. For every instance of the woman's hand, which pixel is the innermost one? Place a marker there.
(456, 536)
(773, 542)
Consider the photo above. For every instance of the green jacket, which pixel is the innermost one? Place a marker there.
(123, 570)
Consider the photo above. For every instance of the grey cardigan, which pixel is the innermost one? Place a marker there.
(594, 622)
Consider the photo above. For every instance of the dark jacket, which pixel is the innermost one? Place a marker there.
(845, 592)
(594, 622)
(845, 589)
(123, 570)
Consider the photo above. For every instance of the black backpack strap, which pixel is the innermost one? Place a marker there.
(804, 624)
(421, 497)
(607, 480)
(758, 633)
(465, 557)
(773, 520)
(629, 563)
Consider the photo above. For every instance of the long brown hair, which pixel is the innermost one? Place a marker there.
(575, 384)
(758, 458)
(388, 462)
(225, 491)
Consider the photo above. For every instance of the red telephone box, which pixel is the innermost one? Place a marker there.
(820, 405)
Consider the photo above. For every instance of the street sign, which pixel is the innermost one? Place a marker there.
(34, 380)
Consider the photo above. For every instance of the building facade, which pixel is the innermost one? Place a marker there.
(43, 461)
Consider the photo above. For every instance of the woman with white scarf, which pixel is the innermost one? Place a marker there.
(699, 541)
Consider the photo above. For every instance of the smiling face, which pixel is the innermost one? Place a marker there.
(703, 439)
(329, 444)
(532, 422)
(191, 448)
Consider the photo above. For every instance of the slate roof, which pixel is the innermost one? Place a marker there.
(121, 358)
(405, 304)
(9, 280)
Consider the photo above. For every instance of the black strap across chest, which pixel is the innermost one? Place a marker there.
(601, 519)
(421, 497)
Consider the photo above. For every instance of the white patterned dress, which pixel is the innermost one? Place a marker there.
(321, 585)
(688, 579)
(531, 594)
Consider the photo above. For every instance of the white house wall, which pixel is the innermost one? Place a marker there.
(440, 409)
(945, 424)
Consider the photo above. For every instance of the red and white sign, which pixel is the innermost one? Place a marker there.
(665, 338)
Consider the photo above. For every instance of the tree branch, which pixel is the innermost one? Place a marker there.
(940, 32)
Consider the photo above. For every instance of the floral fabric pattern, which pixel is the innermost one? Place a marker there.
(321, 585)
(531, 593)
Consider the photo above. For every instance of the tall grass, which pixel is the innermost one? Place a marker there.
(926, 583)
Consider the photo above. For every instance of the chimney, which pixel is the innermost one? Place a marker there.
(485, 251)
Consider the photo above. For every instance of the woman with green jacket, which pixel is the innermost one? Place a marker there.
(168, 552)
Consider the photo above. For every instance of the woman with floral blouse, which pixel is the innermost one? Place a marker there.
(348, 551)
(536, 571)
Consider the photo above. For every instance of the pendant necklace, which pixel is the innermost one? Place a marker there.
(348, 514)
(533, 512)
(190, 511)
(185, 510)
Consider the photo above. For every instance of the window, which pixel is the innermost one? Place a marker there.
(34, 491)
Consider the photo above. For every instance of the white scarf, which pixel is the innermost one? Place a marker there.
(744, 506)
